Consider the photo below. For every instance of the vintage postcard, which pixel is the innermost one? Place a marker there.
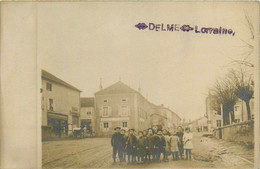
(130, 84)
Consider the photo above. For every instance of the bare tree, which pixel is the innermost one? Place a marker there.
(224, 93)
(243, 84)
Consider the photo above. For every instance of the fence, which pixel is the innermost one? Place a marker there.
(242, 133)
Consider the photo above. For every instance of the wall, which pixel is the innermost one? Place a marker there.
(65, 98)
(242, 133)
(114, 101)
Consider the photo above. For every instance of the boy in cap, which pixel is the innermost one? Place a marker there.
(124, 139)
(131, 146)
(140, 147)
(160, 143)
(145, 150)
(150, 144)
(156, 141)
(117, 144)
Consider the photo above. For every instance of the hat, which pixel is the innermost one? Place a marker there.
(159, 132)
(117, 128)
(132, 129)
(140, 132)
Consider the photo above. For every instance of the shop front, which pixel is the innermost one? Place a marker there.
(58, 124)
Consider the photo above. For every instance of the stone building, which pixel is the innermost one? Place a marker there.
(87, 113)
(60, 104)
(240, 110)
(120, 105)
(164, 118)
(213, 118)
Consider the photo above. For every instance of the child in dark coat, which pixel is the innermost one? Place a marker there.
(150, 144)
(131, 146)
(160, 144)
(123, 132)
(117, 144)
(141, 147)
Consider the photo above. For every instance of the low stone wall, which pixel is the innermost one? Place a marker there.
(242, 133)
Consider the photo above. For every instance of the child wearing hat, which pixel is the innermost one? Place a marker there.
(145, 148)
(188, 146)
(150, 144)
(167, 145)
(140, 147)
(174, 141)
(117, 144)
(160, 144)
(131, 147)
(123, 132)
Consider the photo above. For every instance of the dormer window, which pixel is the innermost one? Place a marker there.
(105, 100)
(124, 100)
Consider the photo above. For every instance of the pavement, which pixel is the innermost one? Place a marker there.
(97, 153)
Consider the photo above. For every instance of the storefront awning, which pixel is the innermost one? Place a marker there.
(57, 116)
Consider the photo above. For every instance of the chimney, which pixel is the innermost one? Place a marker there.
(100, 85)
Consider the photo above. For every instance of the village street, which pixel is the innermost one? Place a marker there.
(97, 153)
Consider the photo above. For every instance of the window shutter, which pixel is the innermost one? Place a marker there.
(48, 102)
(53, 105)
(109, 111)
(101, 111)
(128, 110)
(101, 126)
(109, 125)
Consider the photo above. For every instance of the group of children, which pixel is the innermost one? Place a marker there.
(149, 145)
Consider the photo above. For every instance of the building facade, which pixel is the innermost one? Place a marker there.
(60, 103)
(120, 105)
(87, 113)
(164, 118)
(240, 110)
(213, 118)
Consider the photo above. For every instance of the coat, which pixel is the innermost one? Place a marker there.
(159, 142)
(131, 144)
(187, 140)
(141, 144)
(150, 144)
(174, 140)
(167, 144)
(180, 135)
(117, 140)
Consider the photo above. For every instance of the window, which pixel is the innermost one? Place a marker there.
(51, 105)
(105, 111)
(236, 108)
(88, 113)
(123, 99)
(105, 100)
(49, 86)
(124, 110)
(218, 123)
(106, 126)
(124, 124)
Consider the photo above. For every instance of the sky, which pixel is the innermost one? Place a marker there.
(84, 41)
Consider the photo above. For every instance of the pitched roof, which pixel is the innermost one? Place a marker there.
(87, 102)
(55, 79)
(118, 87)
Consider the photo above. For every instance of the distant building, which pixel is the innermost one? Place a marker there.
(240, 110)
(87, 113)
(164, 118)
(60, 103)
(120, 105)
(213, 118)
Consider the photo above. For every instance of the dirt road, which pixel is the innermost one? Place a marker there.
(97, 153)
